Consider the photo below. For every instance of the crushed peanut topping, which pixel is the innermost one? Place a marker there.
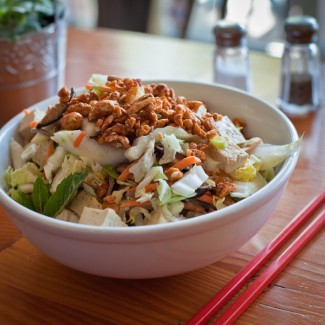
(125, 109)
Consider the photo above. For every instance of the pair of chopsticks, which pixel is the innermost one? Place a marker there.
(270, 273)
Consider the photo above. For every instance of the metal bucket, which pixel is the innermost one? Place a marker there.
(31, 68)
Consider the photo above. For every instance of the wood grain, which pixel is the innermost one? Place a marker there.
(34, 289)
(9, 233)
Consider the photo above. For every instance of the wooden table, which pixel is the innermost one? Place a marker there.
(34, 289)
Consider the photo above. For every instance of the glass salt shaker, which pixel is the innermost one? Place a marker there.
(231, 63)
(300, 91)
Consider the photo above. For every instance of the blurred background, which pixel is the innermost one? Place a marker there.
(194, 19)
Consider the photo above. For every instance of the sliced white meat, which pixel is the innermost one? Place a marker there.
(24, 128)
(230, 158)
(227, 129)
(104, 154)
(41, 153)
(15, 153)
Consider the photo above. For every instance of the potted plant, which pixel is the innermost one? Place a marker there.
(32, 53)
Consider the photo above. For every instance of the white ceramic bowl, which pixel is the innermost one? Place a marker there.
(167, 249)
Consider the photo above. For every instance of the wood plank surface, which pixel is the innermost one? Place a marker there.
(9, 233)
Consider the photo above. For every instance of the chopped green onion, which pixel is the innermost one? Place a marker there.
(98, 90)
(218, 141)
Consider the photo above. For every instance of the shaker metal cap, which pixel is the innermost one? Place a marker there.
(229, 33)
(301, 29)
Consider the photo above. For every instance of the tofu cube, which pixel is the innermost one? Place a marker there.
(104, 218)
(84, 199)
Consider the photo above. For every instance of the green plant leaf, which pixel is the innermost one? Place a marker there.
(22, 198)
(64, 193)
(18, 17)
(40, 195)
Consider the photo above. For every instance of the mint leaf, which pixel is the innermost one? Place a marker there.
(64, 192)
(22, 198)
(40, 195)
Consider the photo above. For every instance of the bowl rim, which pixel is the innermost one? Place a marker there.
(193, 225)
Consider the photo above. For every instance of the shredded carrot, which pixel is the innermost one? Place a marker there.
(206, 198)
(135, 203)
(187, 161)
(26, 111)
(131, 190)
(79, 138)
(90, 86)
(50, 150)
(126, 172)
(151, 187)
(33, 124)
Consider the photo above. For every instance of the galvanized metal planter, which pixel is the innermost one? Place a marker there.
(31, 68)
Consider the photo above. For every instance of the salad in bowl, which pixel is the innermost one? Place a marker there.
(121, 153)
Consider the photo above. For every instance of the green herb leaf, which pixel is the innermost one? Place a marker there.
(40, 195)
(64, 193)
(110, 170)
(22, 198)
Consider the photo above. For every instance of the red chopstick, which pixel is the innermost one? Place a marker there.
(274, 269)
(234, 285)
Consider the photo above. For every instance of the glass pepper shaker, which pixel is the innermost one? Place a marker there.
(300, 91)
(231, 63)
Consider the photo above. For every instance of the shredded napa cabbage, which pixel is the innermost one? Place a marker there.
(54, 162)
(249, 171)
(166, 213)
(171, 145)
(154, 174)
(246, 189)
(167, 195)
(98, 79)
(272, 155)
(24, 175)
(191, 180)
(142, 167)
